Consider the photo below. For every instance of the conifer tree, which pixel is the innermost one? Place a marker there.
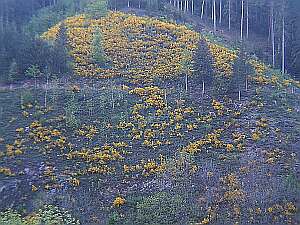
(203, 64)
(241, 70)
(99, 56)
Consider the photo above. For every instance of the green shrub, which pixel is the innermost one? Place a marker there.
(48, 215)
(160, 208)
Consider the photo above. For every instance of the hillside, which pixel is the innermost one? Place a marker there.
(151, 138)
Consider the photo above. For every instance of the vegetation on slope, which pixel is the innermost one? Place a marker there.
(142, 145)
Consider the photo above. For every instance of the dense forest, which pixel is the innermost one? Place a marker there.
(149, 112)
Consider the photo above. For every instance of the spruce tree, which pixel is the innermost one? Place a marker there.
(241, 70)
(203, 65)
(99, 56)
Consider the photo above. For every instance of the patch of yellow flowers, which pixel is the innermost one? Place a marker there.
(223, 59)
(139, 48)
(119, 201)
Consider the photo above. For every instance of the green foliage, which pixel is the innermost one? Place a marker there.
(203, 63)
(221, 87)
(33, 71)
(60, 61)
(178, 169)
(185, 64)
(98, 53)
(160, 208)
(13, 71)
(26, 97)
(10, 217)
(241, 70)
(97, 8)
(70, 112)
(53, 215)
(49, 16)
(44, 19)
(48, 215)
(114, 218)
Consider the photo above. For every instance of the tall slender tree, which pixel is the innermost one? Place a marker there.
(272, 34)
(242, 20)
(202, 9)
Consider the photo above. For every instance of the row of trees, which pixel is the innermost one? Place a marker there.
(274, 23)
(21, 54)
(22, 22)
(233, 85)
(277, 22)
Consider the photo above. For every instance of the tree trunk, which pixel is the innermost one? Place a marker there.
(186, 82)
(202, 9)
(273, 35)
(128, 4)
(220, 16)
(203, 88)
(283, 45)
(112, 99)
(46, 92)
(229, 15)
(247, 21)
(215, 17)
(166, 98)
(192, 7)
(242, 19)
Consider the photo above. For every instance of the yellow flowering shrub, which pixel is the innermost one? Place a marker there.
(140, 48)
(119, 201)
(223, 59)
(6, 171)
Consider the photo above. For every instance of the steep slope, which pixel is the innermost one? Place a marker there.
(100, 147)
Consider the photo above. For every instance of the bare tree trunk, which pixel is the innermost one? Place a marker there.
(247, 21)
(112, 99)
(186, 82)
(242, 20)
(46, 92)
(203, 88)
(283, 45)
(202, 9)
(128, 4)
(166, 101)
(229, 15)
(2, 16)
(220, 16)
(192, 7)
(215, 17)
(1, 23)
(212, 10)
(273, 35)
